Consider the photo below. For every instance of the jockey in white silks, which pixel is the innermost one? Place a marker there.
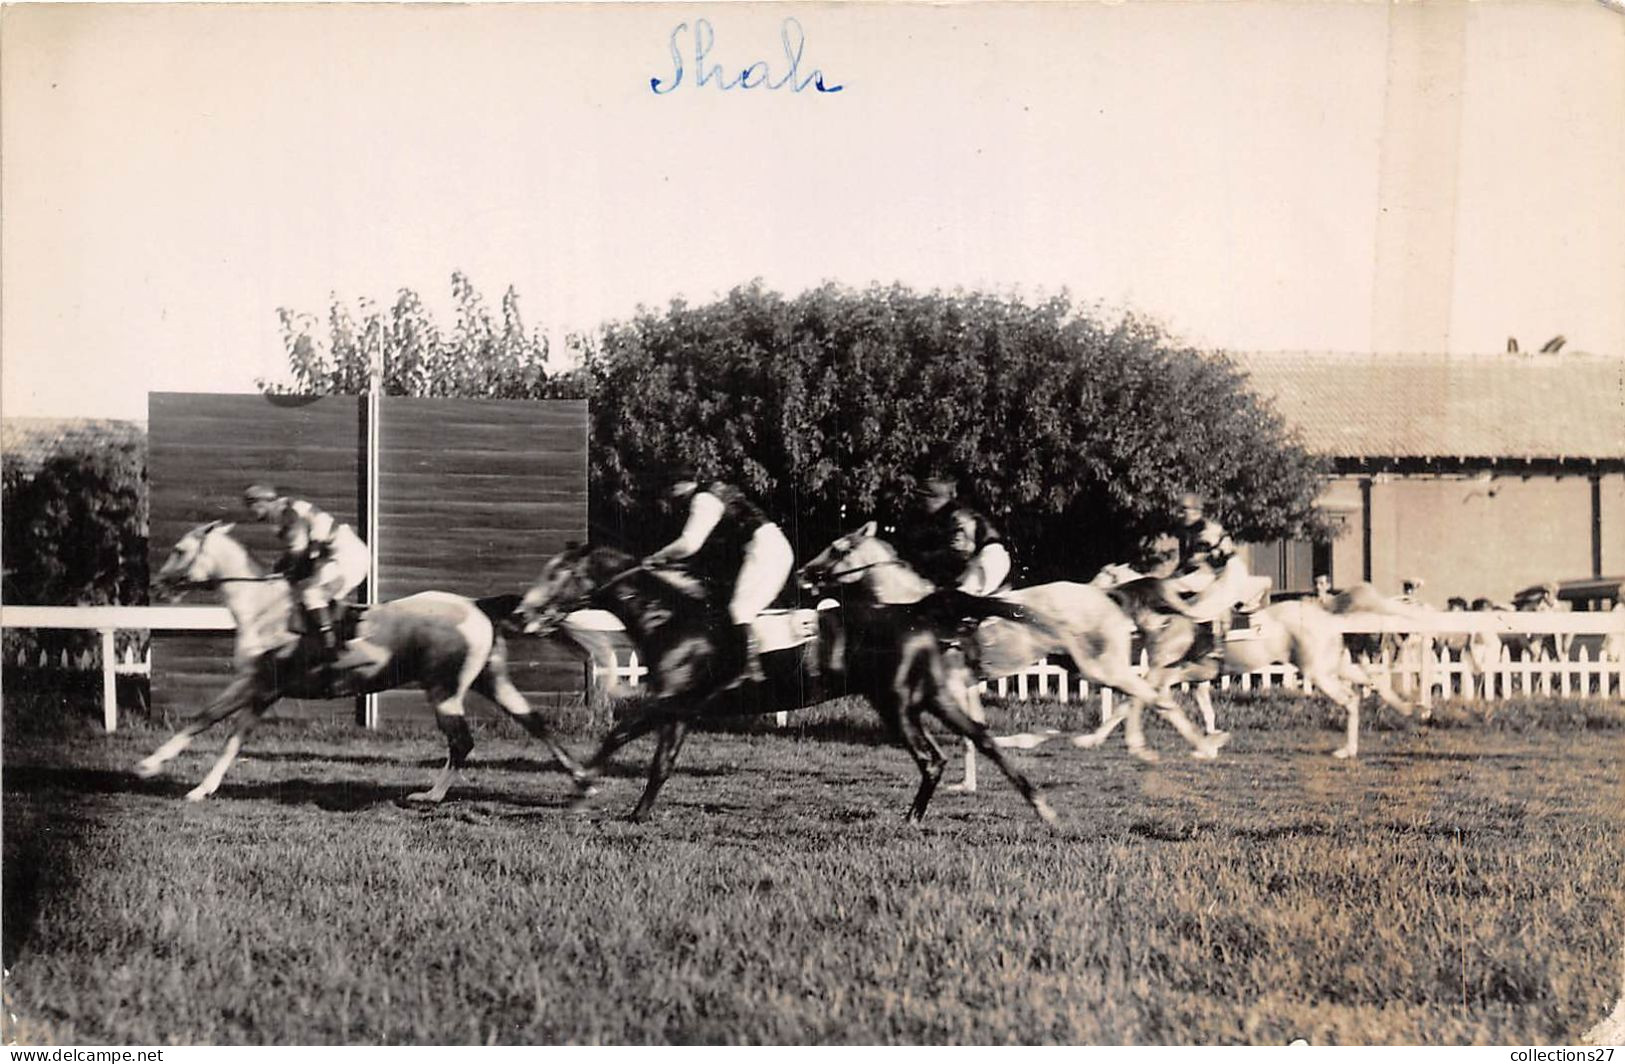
(722, 519)
(1210, 568)
(322, 558)
(952, 545)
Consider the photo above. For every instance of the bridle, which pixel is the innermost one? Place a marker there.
(835, 573)
(552, 614)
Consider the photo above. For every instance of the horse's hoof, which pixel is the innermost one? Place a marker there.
(1209, 748)
(148, 769)
(1087, 742)
(424, 798)
(960, 788)
(1046, 814)
(1343, 753)
(1146, 754)
(197, 794)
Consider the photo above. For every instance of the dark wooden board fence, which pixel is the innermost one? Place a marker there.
(473, 496)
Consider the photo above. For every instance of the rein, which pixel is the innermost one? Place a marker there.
(862, 568)
(582, 601)
(216, 581)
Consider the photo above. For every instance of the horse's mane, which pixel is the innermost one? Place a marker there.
(606, 562)
(208, 528)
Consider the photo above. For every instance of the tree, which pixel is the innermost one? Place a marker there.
(1077, 435)
(75, 532)
(480, 357)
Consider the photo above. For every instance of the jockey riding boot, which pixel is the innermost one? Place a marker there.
(322, 617)
(750, 665)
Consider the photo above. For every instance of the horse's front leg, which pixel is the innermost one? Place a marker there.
(975, 733)
(246, 722)
(1204, 702)
(903, 713)
(1332, 686)
(672, 735)
(227, 702)
(629, 730)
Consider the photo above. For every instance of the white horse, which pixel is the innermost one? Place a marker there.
(446, 642)
(1080, 620)
(1300, 633)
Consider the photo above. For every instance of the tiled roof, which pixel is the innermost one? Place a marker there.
(1531, 406)
(28, 442)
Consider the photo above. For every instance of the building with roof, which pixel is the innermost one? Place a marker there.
(1477, 475)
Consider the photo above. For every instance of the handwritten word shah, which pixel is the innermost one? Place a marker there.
(757, 75)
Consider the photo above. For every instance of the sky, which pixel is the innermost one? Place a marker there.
(1256, 175)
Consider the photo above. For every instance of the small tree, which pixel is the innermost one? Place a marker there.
(481, 356)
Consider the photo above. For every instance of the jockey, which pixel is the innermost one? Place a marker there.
(723, 519)
(1210, 569)
(951, 544)
(323, 559)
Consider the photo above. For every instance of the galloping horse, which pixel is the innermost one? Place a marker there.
(1078, 619)
(446, 642)
(1298, 632)
(891, 657)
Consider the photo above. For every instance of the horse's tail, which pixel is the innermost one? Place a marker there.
(498, 607)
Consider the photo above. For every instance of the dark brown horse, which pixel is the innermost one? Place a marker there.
(890, 656)
(447, 643)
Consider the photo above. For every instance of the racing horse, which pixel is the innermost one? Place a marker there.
(448, 643)
(1077, 619)
(1299, 632)
(891, 657)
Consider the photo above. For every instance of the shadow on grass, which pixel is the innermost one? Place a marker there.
(33, 778)
(342, 796)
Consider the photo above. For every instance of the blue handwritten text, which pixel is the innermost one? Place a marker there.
(757, 75)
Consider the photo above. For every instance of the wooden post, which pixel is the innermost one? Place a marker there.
(367, 706)
(109, 683)
(1425, 671)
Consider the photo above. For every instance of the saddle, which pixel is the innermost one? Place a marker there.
(346, 616)
(784, 629)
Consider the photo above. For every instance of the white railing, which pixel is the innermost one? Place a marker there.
(1421, 669)
(107, 620)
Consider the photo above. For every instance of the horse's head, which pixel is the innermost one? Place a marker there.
(568, 582)
(192, 562)
(849, 560)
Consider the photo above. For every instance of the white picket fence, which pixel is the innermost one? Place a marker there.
(107, 620)
(1422, 669)
(126, 663)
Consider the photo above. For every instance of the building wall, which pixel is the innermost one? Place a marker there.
(1478, 537)
(1613, 525)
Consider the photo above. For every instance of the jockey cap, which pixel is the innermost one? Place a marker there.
(259, 493)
